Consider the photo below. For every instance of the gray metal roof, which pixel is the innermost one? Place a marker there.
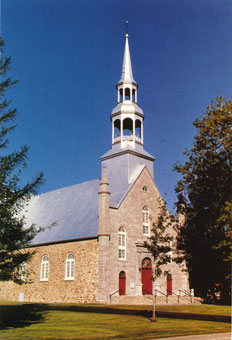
(74, 208)
(116, 150)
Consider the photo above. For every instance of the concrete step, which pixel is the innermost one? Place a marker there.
(132, 300)
(173, 299)
(160, 300)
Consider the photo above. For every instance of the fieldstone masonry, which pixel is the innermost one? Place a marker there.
(129, 215)
(82, 289)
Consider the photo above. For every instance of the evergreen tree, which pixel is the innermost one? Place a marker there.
(14, 237)
(205, 188)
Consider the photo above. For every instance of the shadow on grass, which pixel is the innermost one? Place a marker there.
(18, 316)
(145, 313)
(97, 309)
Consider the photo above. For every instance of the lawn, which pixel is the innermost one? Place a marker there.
(35, 321)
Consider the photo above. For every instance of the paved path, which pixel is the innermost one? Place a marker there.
(218, 336)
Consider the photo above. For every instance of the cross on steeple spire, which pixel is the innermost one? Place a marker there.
(126, 27)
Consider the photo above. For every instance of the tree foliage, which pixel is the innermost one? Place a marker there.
(205, 188)
(158, 243)
(162, 242)
(14, 237)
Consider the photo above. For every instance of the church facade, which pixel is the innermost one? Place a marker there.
(96, 252)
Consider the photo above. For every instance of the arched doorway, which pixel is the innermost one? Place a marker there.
(146, 276)
(122, 283)
(169, 284)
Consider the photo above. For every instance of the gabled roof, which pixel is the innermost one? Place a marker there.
(121, 195)
(74, 208)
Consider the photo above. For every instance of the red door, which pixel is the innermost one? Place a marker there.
(122, 283)
(146, 276)
(169, 284)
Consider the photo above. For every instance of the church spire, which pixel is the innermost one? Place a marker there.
(127, 154)
(127, 117)
(127, 74)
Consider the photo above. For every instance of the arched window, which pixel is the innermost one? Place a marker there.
(138, 128)
(170, 252)
(69, 267)
(145, 188)
(117, 128)
(120, 95)
(128, 129)
(22, 271)
(44, 272)
(122, 243)
(133, 95)
(146, 222)
(127, 94)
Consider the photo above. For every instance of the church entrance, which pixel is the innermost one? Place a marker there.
(146, 276)
(169, 284)
(122, 283)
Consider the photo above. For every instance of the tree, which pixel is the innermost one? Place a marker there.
(163, 234)
(205, 188)
(14, 237)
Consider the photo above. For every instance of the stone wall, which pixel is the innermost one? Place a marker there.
(82, 289)
(129, 215)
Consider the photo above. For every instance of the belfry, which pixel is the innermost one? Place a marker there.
(96, 252)
(127, 155)
(127, 117)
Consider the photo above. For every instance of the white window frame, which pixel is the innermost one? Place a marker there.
(146, 221)
(170, 252)
(44, 270)
(122, 243)
(22, 272)
(70, 267)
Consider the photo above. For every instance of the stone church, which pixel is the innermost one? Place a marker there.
(95, 252)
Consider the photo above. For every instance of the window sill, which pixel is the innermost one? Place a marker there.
(69, 279)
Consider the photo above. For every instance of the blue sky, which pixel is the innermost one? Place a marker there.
(67, 56)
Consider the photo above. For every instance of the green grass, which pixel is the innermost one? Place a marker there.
(194, 309)
(198, 309)
(35, 321)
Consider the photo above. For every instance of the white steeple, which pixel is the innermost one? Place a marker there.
(127, 155)
(127, 117)
(127, 74)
